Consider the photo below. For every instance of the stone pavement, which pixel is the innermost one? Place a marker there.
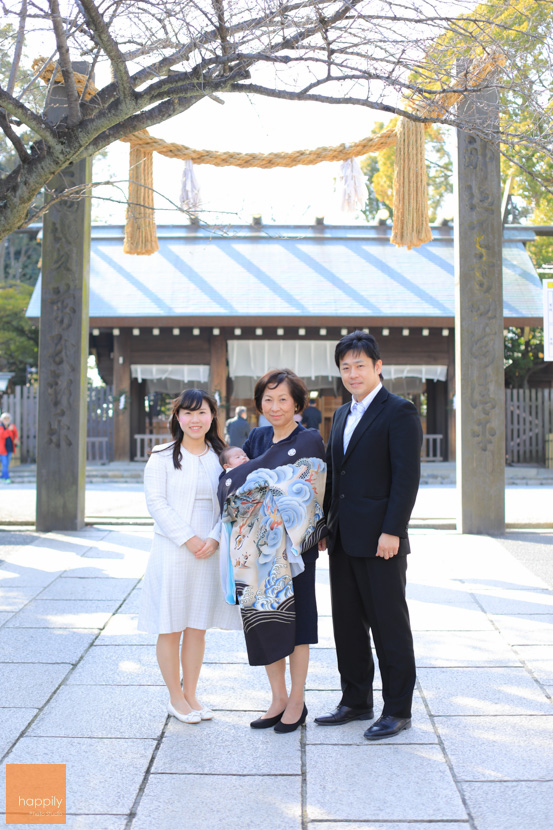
(79, 686)
(436, 506)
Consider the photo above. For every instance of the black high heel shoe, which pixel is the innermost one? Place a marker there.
(291, 727)
(265, 723)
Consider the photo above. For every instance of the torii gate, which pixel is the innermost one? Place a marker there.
(63, 344)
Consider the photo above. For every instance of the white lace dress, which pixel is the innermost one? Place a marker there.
(180, 591)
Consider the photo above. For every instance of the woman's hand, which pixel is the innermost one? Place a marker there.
(208, 549)
(195, 544)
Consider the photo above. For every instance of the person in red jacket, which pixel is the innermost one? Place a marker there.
(8, 444)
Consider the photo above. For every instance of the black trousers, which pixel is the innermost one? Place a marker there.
(368, 596)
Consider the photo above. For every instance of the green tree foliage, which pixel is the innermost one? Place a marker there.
(520, 30)
(19, 253)
(523, 28)
(18, 336)
(19, 258)
(369, 166)
(36, 93)
(523, 355)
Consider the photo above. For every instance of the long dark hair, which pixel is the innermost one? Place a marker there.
(193, 399)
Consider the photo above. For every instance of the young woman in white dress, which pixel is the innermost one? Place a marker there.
(182, 595)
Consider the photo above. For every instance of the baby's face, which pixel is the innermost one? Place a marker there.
(235, 458)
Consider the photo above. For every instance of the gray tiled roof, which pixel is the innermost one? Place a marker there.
(290, 271)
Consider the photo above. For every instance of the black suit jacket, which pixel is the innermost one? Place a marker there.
(372, 489)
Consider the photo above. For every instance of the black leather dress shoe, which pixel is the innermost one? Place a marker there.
(386, 726)
(344, 714)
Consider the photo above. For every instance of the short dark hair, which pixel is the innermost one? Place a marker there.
(273, 378)
(223, 456)
(357, 342)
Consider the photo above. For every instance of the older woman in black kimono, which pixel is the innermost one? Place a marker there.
(272, 515)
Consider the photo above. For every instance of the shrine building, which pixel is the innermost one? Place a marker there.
(218, 307)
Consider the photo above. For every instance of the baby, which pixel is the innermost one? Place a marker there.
(232, 457)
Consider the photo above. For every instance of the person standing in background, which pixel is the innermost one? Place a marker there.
(312, 417)
(237, 429)
(8, 444)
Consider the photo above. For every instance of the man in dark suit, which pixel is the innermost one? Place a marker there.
(311, 418)
(373, 459)
(237, 429)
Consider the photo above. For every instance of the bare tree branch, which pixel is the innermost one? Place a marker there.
(74, 110)
(166, 55)
(111, 49)
(13, 137)
(25, 115)
(286, 95)
(18, 47)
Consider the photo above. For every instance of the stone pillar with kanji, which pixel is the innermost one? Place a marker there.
(63, 346)
(479, 349)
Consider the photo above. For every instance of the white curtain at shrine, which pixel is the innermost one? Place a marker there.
(308, 359)
(410, 380)
(147, 371)
(394, 372)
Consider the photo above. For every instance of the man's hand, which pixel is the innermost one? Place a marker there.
(208, 549)
(388, 546)
(322, 544)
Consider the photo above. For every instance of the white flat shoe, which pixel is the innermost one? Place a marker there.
(205, 714)
(191, 717)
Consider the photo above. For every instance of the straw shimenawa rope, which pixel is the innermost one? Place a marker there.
(411, 227)
(46, 69)
(371, 144)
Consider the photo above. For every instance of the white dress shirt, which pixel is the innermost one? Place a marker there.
(358, 409)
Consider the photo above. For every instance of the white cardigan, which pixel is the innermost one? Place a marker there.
(170, 493)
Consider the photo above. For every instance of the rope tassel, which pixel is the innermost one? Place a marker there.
(411, 227)
(140, 228)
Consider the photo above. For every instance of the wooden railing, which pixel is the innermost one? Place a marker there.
(145, 443)
(97, 450)
(432, 448)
